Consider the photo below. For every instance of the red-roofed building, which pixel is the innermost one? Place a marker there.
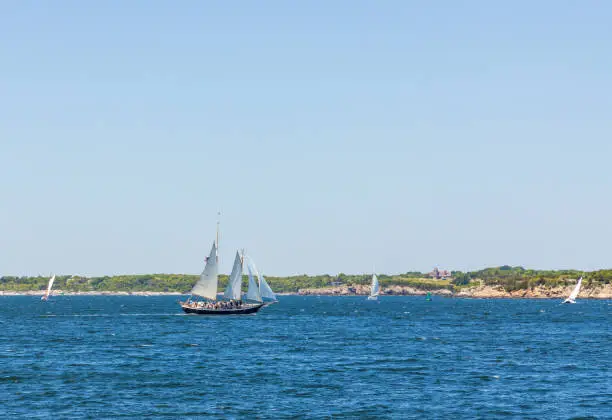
(439, 274)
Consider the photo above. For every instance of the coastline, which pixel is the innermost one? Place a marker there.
(476, 292)
(538, 292)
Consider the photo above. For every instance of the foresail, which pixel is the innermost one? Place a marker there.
(265, 289)
(253, 293)
(234, 283)
(206, 286)
(576, 290)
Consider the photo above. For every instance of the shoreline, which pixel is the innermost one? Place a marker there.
(479, 292)
(474, 292)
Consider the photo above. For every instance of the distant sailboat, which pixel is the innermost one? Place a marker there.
(572, 297)
(375, 290)
(428, 297)
(48, 292)
(203, 298)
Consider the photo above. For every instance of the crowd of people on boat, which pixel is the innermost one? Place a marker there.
(220, 305)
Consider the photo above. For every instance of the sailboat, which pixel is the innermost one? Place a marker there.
(49, 286)
(203, 298)
(375, 290)
(572, 297)
(428, 297)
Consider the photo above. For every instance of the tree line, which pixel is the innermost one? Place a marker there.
(510, 278)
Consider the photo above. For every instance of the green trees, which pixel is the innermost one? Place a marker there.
(460, 279)
(517, 278)
(511, 278)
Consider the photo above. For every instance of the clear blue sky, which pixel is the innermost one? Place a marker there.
(332, 135)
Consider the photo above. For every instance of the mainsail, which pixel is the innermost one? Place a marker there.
(253, 293)
(375, 286)
(234, 283)
(206, 286)
(572, 297)
(48, 293)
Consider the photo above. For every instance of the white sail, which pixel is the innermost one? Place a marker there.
(375, 286)
(253, 293)
(264, 288)
(49, 286)
(234, 283)
(206, 286)
(572, 297)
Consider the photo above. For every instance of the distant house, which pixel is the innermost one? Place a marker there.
(336, 282)
(439, 274)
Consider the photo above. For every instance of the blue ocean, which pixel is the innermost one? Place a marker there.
(306, 357)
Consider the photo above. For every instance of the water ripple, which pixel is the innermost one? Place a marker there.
(308, 357)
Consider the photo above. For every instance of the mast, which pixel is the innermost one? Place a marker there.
(241, 265)
(259, 284)
(217, 238)
(242, 271)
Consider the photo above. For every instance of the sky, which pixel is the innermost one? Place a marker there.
(342, 136)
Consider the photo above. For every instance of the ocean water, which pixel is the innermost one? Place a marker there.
(306, 357)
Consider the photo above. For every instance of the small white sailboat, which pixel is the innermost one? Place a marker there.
(375, 290)
(48, 292)
(572, 297)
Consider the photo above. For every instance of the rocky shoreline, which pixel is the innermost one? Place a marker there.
(482, 292)
(362, 290)
(538, 292)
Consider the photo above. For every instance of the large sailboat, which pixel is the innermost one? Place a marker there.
(203, 299)
(49, 286)
(572, 297)
(375, 290)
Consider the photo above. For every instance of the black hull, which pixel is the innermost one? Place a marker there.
(242, 311)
